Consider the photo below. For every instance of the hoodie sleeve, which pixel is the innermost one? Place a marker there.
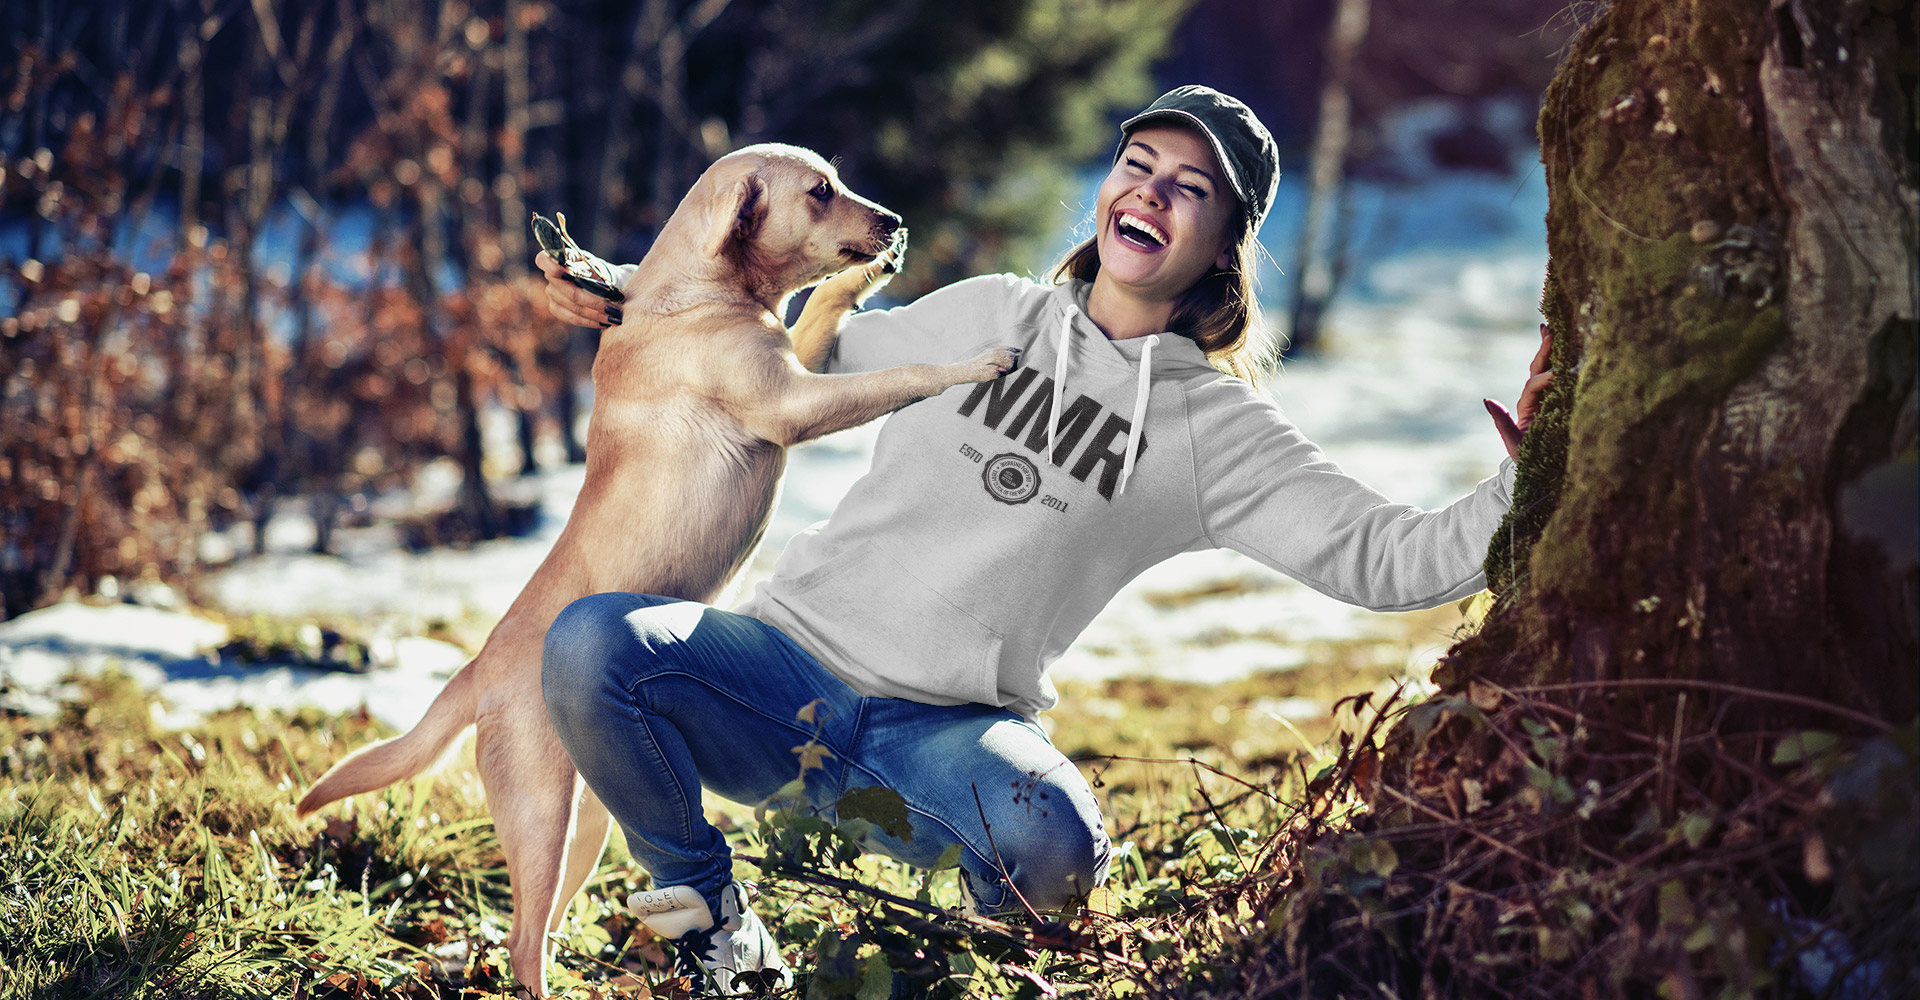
(942, 326)
(1267, 491)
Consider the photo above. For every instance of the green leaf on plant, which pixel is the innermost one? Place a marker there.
(881, 806)
(1375, 856)
(1675, 908)
(1804, 746)
(876, 979)
(1424, 717)
(1694, 828)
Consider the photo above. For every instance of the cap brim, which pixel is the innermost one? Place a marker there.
(1193, 121)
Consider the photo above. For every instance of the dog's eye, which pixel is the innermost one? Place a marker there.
(822, 191)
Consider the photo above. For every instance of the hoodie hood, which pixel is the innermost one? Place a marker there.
(1137, 353)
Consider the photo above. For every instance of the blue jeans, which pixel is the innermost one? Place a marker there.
(655, 698)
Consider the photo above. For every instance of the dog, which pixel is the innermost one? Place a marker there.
(699, 391)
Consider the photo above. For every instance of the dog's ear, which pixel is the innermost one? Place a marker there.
(737, 213)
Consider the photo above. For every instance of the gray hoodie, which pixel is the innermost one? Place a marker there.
(999, 518)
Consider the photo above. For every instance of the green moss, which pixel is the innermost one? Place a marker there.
(1541, 466)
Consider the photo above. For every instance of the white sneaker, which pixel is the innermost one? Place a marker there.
(738, 953)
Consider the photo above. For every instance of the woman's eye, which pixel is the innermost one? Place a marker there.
(1137, 165)
(822, 191)
(1197, 192)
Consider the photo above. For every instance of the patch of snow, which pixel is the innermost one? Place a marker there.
(173, 655)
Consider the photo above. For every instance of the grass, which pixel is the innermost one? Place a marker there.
(138, 861)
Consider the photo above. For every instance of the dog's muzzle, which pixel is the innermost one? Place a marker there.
(888, 238)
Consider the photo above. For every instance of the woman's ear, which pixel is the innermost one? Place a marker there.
(736, 213)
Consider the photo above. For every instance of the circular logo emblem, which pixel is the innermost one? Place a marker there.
(1011, 478)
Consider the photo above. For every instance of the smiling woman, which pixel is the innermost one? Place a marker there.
(910, 636)
(1172, 180)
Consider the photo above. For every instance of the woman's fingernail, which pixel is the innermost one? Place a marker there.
(615, 316)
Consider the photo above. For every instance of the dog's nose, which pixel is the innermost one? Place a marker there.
(888, 223)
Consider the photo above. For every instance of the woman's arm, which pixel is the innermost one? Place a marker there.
(1267, 491)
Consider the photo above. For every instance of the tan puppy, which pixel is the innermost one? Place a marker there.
(698, 392)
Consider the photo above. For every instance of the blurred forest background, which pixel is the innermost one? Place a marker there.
(258, 252)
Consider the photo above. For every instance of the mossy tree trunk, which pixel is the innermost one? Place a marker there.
(1712, 548)
(1721, 486)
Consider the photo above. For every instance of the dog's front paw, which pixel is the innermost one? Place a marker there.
(894, 257)
(853, 286)
(994, 362)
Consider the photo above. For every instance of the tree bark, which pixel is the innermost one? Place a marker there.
(1722, 483)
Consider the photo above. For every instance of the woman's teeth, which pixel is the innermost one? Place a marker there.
(1141, 231)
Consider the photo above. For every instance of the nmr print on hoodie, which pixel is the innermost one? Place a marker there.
(1000, 517)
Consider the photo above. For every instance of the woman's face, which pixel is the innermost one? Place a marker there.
(1164, 214)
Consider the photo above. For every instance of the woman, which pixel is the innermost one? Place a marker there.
(915, 626)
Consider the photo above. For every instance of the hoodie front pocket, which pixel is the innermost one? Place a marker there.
(886, 623)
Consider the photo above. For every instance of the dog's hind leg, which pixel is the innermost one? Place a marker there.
(529, 782)
(584, 847)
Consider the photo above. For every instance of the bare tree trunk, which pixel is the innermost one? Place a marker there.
(476, 502)
(513, 210)
(576, 357)
(633, 87)
(316, 464)
(193, 100)
(1315, 276)
(513, 152)
(264, 100)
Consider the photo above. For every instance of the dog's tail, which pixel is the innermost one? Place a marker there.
(378, 765)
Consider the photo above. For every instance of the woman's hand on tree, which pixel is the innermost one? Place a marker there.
(1538, 378)
(570, 303)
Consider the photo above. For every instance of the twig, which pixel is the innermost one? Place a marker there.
(998, 861)
(995, 928)
(1195, 761)
(1610, 220)
(1232, 842)
(805, 874)
(1734, 689)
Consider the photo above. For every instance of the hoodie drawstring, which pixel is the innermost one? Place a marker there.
(1059, 378)
(1139, 410)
